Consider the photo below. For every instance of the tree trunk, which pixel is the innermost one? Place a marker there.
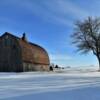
(99, 62)
(99, 65)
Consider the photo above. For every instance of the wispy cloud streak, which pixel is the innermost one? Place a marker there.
(60, 57)
(54, 11)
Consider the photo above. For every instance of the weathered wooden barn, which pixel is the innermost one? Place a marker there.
(19, 55)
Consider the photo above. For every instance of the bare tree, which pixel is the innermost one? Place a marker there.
(87, 36)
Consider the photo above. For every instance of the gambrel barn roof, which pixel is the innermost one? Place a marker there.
(31, 53)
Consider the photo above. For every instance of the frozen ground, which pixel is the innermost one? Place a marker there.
(69, 84)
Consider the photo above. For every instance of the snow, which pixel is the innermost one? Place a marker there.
(65, 84)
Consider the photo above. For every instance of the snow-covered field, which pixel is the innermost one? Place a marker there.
(69, 84)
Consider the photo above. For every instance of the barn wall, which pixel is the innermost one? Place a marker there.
(10, 55)
(35, 67)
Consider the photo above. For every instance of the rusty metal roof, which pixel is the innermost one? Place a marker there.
(32, 53)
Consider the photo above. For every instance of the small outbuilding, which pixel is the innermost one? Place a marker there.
(19, 55)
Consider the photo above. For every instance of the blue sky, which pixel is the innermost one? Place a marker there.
(49, 23)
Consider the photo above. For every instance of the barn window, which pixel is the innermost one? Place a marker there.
(7, 41)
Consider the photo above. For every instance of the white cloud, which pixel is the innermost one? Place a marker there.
(60, 57)
(65, 7)
(57, 11)
(54, 11)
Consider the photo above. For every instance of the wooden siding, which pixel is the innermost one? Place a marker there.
(10, 55)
